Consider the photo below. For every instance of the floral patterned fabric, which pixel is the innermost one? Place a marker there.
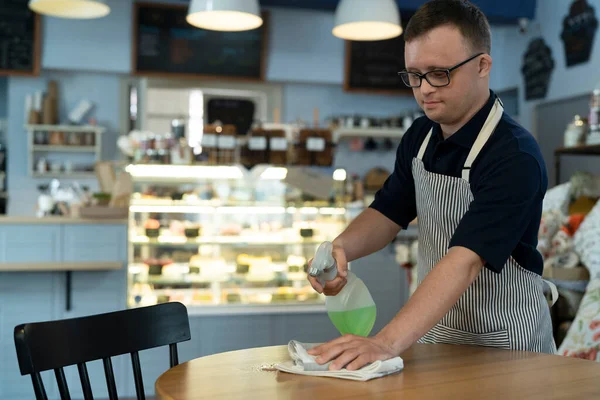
(587, 242)
(557, 198)
(583, 338)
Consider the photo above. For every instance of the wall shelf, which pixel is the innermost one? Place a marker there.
(65, 149)
(65, 128)
(392, 133)
(39, 137)
(585, 150)
(64, 175)
(591, 149)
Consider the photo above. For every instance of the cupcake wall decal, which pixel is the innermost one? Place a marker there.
(579, 29)
(537, 69)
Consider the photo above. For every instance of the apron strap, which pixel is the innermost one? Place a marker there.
(488, 128)
(553, 290)
(424, 145)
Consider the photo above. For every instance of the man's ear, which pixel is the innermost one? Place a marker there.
(485, 65)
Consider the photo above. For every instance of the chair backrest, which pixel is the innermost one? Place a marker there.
(53, 345)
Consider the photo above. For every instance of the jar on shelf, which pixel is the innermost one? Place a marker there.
(575, 132)
(40, 138)
(57, 138)
(89, 139)
(594, 117)
(73, 139)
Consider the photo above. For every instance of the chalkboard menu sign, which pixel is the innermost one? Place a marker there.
(166, 45)
(537, 69)
(373, 66)
(20, 30)
(579, 29)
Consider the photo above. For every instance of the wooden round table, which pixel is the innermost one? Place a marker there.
(430, 372)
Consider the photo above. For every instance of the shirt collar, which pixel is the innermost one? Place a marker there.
(466, 135)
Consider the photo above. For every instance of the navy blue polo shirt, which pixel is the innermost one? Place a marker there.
(508, 180)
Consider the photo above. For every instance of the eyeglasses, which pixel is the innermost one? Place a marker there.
(436, 77)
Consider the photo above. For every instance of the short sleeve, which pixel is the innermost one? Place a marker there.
(396, 199)
(505, 200)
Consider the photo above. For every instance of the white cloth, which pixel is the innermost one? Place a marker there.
(303, 363)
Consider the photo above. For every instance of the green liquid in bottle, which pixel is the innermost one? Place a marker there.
(357, 322)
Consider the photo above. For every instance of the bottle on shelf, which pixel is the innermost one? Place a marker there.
(352, 310)
(594, 118)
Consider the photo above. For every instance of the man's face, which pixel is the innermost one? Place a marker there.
(442, 48)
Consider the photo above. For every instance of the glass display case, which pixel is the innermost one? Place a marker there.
(218, 236)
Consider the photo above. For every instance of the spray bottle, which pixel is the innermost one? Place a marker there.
(352, 310)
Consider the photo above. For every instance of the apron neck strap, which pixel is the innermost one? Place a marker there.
(488, 128)
(424, 145)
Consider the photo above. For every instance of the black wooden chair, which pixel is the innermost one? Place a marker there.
(53, 345)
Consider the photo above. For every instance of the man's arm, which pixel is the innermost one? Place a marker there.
(434, 297)
(371, 231)
(394, 207)
(438, 292)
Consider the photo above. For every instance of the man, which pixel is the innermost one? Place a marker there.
(476, 180)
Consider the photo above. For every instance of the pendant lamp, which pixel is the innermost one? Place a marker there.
(225, 15)
(367, 20)
(75, 9)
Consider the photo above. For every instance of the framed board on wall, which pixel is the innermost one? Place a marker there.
(164, 44)
(20, 39)
(373, 66)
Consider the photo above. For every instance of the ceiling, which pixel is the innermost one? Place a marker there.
(498, 12)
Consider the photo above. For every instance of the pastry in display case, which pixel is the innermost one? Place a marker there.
(221, 238)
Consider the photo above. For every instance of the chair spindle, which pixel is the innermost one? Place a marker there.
(110, 379)
(85, 381)
(63, 388)
(137, 376)
(174, 357)
(38, 386)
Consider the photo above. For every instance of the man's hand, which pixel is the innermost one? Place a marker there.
(333, 287)
(352, 352)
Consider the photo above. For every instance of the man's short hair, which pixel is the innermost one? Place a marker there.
(463, 14)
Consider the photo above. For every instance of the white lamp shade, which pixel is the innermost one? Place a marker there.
(225, 15)
(76, 9)
(367, 20)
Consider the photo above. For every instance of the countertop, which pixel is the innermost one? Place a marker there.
(16, 220)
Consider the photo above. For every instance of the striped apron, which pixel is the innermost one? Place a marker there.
(507, 310)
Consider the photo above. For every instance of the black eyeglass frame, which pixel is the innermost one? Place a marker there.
(445, 70)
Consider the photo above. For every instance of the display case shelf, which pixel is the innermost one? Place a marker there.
(205, 207)
(217, 240)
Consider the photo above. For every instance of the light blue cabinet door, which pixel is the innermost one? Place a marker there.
(29, 243)
(95, 243)
(24, 297)
(96, 292)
